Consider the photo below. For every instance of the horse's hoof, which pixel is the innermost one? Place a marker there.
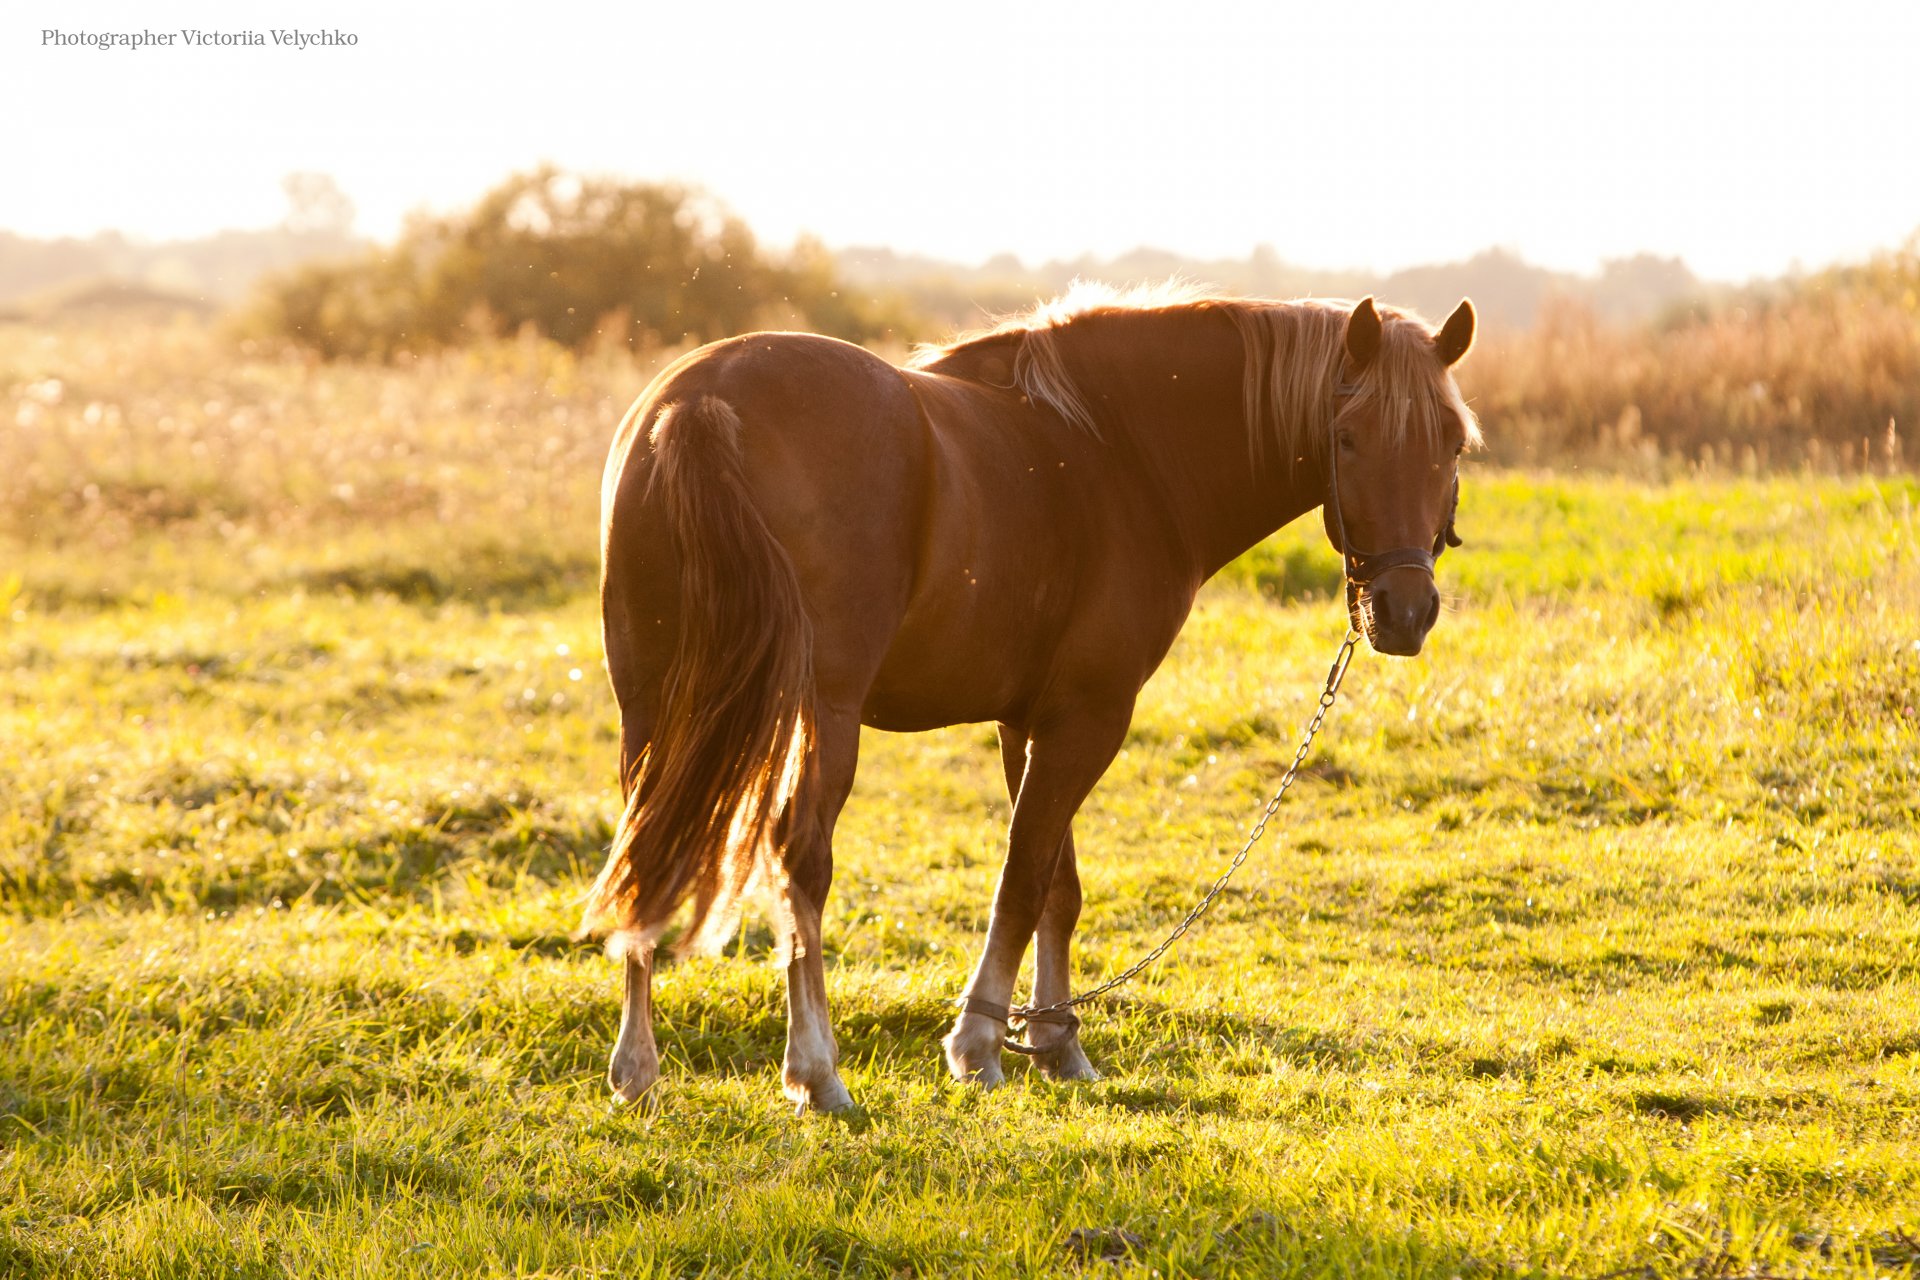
(973, 1050)
(827, 1097)
(985, 1075)
(982, 1071)
(631, 1076)
(989, 1076)
(1066, 1064)
(629, 1089)
(630, 1086)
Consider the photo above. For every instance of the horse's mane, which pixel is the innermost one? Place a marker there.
(1292, 360)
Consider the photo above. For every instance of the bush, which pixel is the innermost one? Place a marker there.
(577, 260)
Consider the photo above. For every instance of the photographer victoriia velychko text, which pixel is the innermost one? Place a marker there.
(283, 38)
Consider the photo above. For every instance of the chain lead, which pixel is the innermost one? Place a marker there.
(1335, 674)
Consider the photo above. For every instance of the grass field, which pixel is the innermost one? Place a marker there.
(1592, 942)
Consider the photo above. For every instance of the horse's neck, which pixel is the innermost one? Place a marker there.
(1177, 404)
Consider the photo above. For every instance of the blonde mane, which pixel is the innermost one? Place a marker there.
(1293, 357)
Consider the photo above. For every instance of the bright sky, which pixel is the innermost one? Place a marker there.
(1744, 137)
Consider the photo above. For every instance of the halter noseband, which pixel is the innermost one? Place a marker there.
(1359, 567)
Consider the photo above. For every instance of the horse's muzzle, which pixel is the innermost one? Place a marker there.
(1400, 607)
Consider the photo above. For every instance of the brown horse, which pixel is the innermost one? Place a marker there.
(799, 538)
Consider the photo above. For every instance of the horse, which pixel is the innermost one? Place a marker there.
(799, 538)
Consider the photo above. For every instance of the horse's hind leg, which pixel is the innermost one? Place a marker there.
(811, 1072)
(636, 1060)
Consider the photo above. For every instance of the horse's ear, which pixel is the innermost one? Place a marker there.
(1363, 334)
(1456, 335)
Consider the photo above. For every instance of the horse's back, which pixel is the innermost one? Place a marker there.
(807, 406)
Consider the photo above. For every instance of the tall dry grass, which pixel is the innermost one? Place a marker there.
(1824, 374)
(113, 435)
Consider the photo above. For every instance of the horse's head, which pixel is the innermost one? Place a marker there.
(1399, 427)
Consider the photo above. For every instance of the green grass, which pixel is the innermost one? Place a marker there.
(1591, 941)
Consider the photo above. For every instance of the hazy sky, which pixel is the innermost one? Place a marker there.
(1369, 133)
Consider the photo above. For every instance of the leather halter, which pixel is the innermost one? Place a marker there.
(1358, 567)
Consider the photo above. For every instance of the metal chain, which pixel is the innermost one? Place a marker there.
(1335, 674)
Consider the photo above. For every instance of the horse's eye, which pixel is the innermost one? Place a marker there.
(1346, 442)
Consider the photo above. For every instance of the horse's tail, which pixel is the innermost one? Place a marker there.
(729, 745)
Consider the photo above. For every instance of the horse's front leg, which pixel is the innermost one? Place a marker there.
(1057, 1036)
(1065, 756)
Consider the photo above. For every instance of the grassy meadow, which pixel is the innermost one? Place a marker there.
(1589, 946)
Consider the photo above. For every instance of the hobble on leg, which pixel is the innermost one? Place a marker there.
(1061, 765)
(973, 1046)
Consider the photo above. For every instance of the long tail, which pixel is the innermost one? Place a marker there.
(730, 743)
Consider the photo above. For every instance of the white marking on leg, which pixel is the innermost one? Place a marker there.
(811, 1074)
(636, 1061)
